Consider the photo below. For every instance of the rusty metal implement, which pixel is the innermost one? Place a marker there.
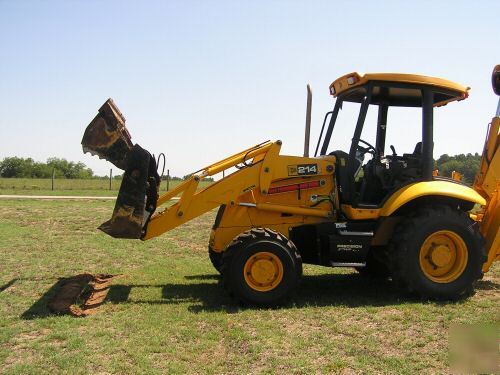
(107, 137)
(82, 294)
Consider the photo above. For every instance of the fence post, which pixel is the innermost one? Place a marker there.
(53, 175)
(168, 178)
(110, 177)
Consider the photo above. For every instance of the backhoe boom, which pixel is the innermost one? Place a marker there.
(487, 183)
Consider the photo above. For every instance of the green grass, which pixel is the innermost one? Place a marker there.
(94, 187)
(168, 314)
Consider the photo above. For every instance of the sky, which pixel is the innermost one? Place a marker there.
(200, 80)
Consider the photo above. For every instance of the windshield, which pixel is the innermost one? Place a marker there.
(339, 128)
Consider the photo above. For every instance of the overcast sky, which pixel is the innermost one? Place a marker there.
(199, 80)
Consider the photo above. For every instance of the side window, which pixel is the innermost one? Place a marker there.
(404, 129)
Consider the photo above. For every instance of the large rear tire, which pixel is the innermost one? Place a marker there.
(261, 267)
(437, 253)
(376, 265)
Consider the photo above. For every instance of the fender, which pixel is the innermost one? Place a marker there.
(430, 188)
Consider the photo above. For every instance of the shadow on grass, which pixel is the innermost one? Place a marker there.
(202, 277)
(350, 290)
(40, 308)
(487, 285)
(120, 293)
(7, 285)
(203, 296)
(346, 290)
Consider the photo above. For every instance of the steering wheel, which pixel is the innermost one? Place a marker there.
(370, 149)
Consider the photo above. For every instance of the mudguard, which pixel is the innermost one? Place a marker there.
(430, 188)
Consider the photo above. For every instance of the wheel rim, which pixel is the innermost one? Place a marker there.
(443, 256)
(263, 271)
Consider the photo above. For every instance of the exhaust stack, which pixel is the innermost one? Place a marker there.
(308, 121)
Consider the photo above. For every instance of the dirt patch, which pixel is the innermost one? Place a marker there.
(82, 294)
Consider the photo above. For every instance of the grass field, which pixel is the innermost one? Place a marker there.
(168, 314)
(94, 187)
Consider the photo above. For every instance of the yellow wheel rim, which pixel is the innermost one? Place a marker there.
(263, 271)
(443, 256)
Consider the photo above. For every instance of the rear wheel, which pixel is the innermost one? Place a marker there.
(376, 265)
(437, 253)
(261, 267)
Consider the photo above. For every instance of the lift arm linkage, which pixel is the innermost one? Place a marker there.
(258, 161)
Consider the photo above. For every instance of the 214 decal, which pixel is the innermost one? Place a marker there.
(303, 169)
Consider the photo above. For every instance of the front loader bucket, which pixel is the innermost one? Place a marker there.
(107, 137)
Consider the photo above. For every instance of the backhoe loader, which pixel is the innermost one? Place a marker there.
(385, 214)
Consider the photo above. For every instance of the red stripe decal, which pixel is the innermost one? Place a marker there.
(294, 187)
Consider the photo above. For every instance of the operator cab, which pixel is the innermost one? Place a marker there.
(364, 183)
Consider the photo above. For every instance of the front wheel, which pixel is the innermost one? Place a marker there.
(261, 267)
(437, 253)
(215, 257)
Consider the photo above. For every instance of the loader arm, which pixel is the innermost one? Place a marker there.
(487, 183)
(261, 165)
(193, 204)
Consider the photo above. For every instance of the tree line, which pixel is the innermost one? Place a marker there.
(15, 167)
(466, 164)
(29, 168)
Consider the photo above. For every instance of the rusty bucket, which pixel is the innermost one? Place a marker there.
(107, 137)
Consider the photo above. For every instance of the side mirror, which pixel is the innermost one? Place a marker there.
(495, 79)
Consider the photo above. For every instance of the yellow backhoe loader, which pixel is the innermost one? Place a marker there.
(386, 215)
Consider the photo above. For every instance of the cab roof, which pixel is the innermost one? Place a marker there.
(397, 89)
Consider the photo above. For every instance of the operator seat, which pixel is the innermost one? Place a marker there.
(414, 160)
(418, 149)
(344, 175)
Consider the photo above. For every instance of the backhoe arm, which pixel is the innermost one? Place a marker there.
(487, 183)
